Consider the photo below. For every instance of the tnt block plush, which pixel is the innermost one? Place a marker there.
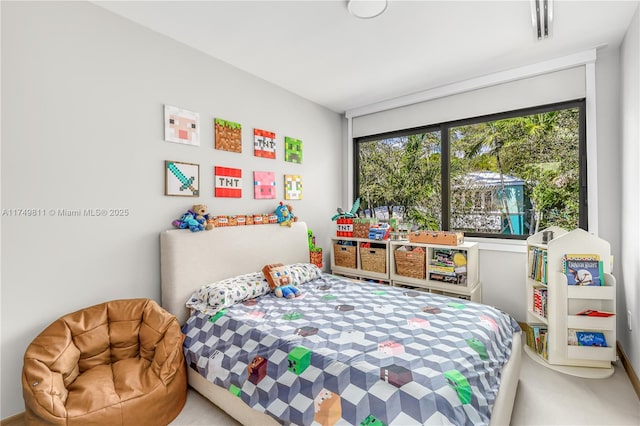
(299, 359)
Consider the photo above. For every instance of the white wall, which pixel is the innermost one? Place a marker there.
(629, 270)
(82, 116)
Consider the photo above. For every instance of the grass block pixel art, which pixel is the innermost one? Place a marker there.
(292, 150)
(299, 359)
(228, 135)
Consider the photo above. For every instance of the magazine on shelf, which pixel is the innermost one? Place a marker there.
(583, 269)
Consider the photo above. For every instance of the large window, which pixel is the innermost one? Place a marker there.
(507, 175)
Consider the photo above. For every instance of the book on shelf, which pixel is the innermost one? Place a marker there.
(538, 264)
(586, 338)
(583, 269)
(537, 339)
(540, 302)
(448, 265)
(595, 313)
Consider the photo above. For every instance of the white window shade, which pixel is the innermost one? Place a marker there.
(557, 86)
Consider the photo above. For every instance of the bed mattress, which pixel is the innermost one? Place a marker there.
(356, 353)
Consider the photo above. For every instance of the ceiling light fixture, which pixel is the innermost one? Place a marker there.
(542, 17)
(366, 9)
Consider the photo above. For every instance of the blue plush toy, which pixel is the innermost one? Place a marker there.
(284, 215)
(188, 220)
(287, 291)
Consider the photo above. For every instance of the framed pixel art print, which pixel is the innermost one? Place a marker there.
(264, 185)
(228, 135)
(228, 182)
(292, 150)
(181, 126)
(182, 179)
(292, 187)
(264, 144)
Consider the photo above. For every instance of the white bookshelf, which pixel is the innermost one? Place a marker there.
(565, 301)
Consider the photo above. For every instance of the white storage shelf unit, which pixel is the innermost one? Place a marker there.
(360, 271)
(565, 301)
(470, 290)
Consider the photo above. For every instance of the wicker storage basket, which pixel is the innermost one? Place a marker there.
(373, 259)
(344, 256)
(410, 263)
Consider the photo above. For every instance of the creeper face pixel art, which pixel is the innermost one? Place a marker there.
(292, 150)
(181, 126)
(299, 359)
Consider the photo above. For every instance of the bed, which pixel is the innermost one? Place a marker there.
(345, 352)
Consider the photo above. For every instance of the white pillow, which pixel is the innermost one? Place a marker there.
(212, 298)
(303, 272)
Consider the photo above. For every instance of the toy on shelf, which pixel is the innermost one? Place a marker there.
(285, 215)
(196, 219)
(315, 253)
(347, 215)
(199, 219)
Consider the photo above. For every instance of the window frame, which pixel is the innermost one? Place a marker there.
(445, 155)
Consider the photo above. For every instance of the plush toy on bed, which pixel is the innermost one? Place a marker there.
(285, 215)
(279, 280)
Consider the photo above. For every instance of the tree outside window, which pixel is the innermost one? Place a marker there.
(508, 175)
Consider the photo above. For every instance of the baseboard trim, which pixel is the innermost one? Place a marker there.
(15, 420)
(633, 377)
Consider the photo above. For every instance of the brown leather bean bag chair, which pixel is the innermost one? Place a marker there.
(117, 363)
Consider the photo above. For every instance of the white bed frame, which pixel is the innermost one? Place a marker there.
(190, 260)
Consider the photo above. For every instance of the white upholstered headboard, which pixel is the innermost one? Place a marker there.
(189, 260)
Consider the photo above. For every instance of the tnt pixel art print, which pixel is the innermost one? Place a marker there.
(292, 150)
(228, 182)
(181, 126)
(264, 144)
(228, 135)
(264, 185)
(181, 179)
(292, 187)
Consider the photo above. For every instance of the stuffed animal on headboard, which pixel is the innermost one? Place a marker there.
(279, 280)
(285, 215)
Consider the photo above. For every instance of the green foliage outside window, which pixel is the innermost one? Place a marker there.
(510, 176)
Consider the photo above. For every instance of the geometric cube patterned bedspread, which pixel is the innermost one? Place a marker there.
(356, 353)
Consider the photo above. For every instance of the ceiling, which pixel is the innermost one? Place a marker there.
(317, 50)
